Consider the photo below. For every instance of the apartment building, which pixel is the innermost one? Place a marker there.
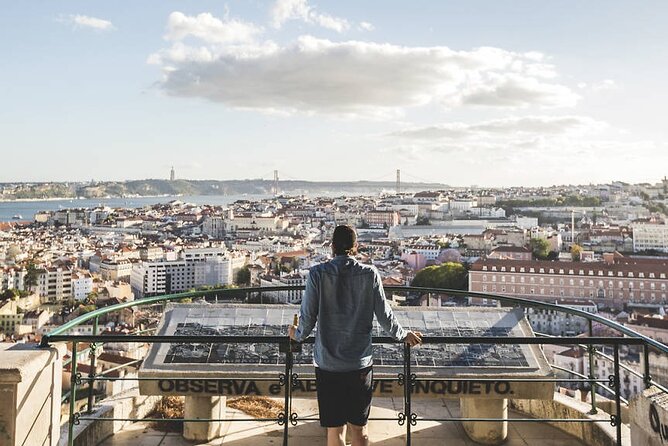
(293, 296)
(82, 285)
(511, 252)
(155, 278)
(54, 283)
(151, 253)
(381, 219)
(202, 254)
(430, 252)
(253, 223)
(12, 278)
(116, 269)
(614, 282)
(214, 226)
(576, 360)
(558, 323)
(10, 316)
(198, 267)
(650, 236)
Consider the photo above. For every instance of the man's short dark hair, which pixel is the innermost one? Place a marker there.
(344, 239)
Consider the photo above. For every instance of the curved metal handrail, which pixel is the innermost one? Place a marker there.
(536, 304)
(611, 359)
(159, 299)
(580, 375)
(403, 289)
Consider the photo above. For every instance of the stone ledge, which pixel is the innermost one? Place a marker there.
(593, 434)
(128, 404)
(30, 389)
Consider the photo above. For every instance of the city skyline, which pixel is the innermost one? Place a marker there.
(476, 93)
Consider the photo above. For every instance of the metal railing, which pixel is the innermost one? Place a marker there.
(407, 379)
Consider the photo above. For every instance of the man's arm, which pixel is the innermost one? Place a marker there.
(308, 311)
(383, 311)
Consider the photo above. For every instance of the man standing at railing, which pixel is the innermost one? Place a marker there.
(343, 295)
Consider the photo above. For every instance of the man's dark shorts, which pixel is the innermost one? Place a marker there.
(344, 397)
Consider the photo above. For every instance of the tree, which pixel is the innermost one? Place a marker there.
(423, 221)
(10, 293)
(91, 298)
(243, 276)
(12, 253)
(83, 309)
(449, 275)
(443, 244)
(540, 248)
(31, 275)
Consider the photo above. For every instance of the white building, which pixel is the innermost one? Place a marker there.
(256, 223)
(54, 283)
(575, 359)
(12, 278)
(214, 226)
(82, 285)
(151, 253)
(155, 278)
(461, 204)
(202, 254)
(486, 212)
(293, 296)
(213, 271)
(558, 323)
(33, 321)
(648, 236)
(203, 267)
(430, 252)
(116, 269)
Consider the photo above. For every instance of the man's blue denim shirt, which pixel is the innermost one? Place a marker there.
(342, 295)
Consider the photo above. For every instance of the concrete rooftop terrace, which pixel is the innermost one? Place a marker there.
(382, 433)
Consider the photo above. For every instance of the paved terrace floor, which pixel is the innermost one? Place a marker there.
(382, 433)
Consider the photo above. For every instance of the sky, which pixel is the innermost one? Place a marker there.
(487, 93)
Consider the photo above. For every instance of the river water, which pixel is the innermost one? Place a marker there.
(27, 209)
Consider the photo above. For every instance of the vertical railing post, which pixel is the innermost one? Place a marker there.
(288, 392)
(647, 376)
(591, 349)
(407, 393)
(91, 373)
(73, 395)
(617, 420)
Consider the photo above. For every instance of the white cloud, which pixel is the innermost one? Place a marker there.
(517, 90)
(210, 29)
(285, 10)
(321, 76)
(548, 144)
(506, 127)
(366, 26)
(83, 21)
(605, 84)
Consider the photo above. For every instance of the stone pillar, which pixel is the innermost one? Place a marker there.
(485, 432)
(648, 413)
(30, 392)
(204, 407)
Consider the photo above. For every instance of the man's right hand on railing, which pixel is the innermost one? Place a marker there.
(413, 338)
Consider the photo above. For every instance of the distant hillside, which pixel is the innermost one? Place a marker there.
(235, 187)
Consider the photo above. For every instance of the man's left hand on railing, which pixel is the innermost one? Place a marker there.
(292, 330)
